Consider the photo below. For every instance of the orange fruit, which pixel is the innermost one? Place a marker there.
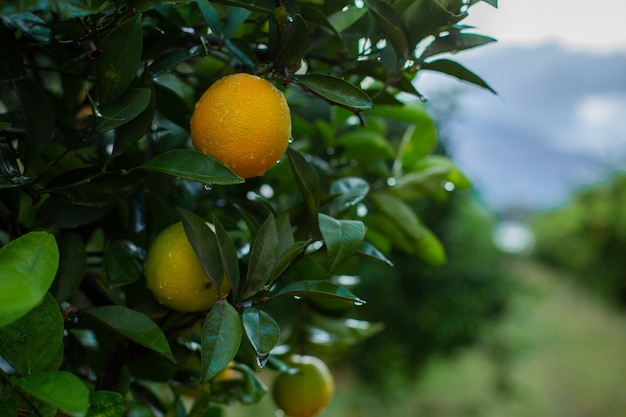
(307, 392)
(175, 276)
(244, 122)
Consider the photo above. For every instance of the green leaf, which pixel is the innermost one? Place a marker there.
(336, 90)
(210, 15)
(192, 165)
(342, 238)
(455, 42)
(34, 343)
(168, 60)
(342, 334)
(365, 146)
(221, 335)
(263, 256)
(399, 213)
(72, 265)
(430, 248)
(294, 43)
(261, 329)
(346, 17)
(122, 263)
(130, 104)
(307, 180)
(428, 178)
(38, 117)
(55, 211)
(60, 389)
(315, 288)
(389, 21)
(8, 408)
(369, 251)
(287, 258)
(456, 70)
(105, 404)
(134, 326)
(117, 66)
(28, 265)
(31, 26)
(10, 173)
(241, 50)
(228, 254)
(350, 191)
(235, 17)
(204, 244)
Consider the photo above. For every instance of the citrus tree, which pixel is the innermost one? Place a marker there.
(116, 200)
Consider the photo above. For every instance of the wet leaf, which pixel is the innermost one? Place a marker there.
(342, 238)
(192, 165)
(125, 108)
(263, 256)
(122, 262)
(457, 70)
(221, 335)
(261, 329)
(315, 288)
(337, 90)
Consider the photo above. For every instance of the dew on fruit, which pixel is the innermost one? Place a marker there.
(290, 140)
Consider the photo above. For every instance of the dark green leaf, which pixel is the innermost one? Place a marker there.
(221, 336)
(389, 21)
(105, 404)
(457, 70)
(210, 15)
(204, 243)
(455, 42)
(122, 263)
(134, 326)
(342, 238)
(287, 257)
(192, 165)
(350, 191)
(344, 18)
(60, 389)
(28, 265)
(235, 16)
(241, 50)
(59, 213)
(261, 329)
(294, 43)
(168, 60)
(10, 173)
(117, 66)
(307, 180)
(368, 250)
(314, 288)
(72, 265)
(31, 25)
(130, 104)
(229, 257)
(32, 344)
(12, 67)
(38, 116)
(263, 256)
(171, 105)
(336, 90)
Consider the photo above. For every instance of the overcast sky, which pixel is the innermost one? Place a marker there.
(557, 123)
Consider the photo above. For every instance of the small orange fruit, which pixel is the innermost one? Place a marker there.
(175, 276)
(307, 392)
(244, 122)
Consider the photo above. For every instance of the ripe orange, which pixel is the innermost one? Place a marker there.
(306, 393)
(244, 122)
(174, 273)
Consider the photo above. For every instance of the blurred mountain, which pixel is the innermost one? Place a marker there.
(557, 123)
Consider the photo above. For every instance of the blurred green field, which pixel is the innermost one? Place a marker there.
(559, 352)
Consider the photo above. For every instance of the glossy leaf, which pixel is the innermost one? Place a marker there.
(122, 263)
(263, 256)
(38, 117)
(314, 288)
(168, 60)
(120, 59)
(336, 90)
(122, 110)
(455, 42)
(235, 17)
(288, 256)
(457, 70)
(28, 265)
(31, 26)
(307, 180)
(192, 165)
(60, 389)
(105, 404)
(261, 329)
(368, 250)
(390, 23)
(350, 191)
(342, 238)
(33, 343)
(241, 50)
(228, 255)
(210, 15)
(134, 326)
(344, 18)
(221, 335)
(72, 265)
(204, 244)
(10, 173)
(294, 43)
